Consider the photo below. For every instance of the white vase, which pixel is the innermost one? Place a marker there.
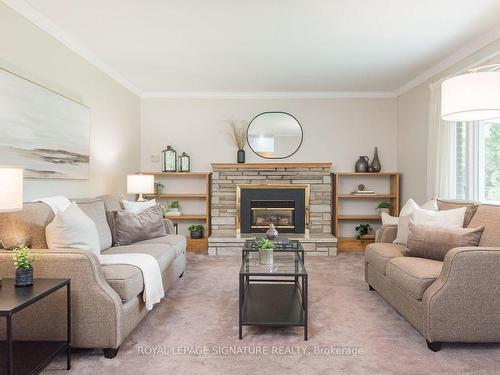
(384, 210)
(266, 256)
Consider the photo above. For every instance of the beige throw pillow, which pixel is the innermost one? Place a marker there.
(73, 229)
(471, 208)
(130, 227)
(433, 242)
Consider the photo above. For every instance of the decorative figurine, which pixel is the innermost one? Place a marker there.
(272, 232)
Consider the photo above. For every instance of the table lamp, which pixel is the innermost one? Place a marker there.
(11, 188)
(140, 184)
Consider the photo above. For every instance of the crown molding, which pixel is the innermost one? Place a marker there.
(464, 52)
(39, 20)
(267, 94)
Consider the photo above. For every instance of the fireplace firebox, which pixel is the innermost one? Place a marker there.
(284, 206)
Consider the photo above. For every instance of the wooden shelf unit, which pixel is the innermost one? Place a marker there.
(200, 245)
(352, 243)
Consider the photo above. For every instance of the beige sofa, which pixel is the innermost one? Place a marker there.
(107, 301)
(457, 300)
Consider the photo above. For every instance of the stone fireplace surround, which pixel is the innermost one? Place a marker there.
(227, 176)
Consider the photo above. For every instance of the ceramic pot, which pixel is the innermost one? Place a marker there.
(24, 277)
(240, 156)
(375, 165)
(384, 210)
(266, 256)
(196, 235)
(362, 164)
(272, 232)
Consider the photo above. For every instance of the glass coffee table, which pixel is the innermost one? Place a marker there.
(273, 295)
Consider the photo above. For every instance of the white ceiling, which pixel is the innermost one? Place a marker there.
(269, 45)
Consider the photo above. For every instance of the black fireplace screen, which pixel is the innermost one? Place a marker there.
(285, 208)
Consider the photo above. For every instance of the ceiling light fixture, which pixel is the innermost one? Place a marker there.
(473, 96)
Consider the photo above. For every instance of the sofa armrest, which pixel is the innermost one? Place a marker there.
(386, 233)
(463, 304)
(169, 226)
(96, 307)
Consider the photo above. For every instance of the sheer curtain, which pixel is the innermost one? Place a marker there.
(441, 169)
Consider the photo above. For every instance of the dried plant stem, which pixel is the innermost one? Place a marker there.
(237, 133)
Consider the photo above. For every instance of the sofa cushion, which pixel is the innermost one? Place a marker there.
(433, 242)
(378, 254)
(94, 208)
(176, 241)
(131, 228)
(163, 253)
(126, 280)
(451, 205)
(488, 216)
(413, 275)
(26, 226)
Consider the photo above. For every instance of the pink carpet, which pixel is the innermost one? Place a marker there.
(353, 331)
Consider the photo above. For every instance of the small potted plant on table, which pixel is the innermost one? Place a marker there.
(23, 262)
(196, 231)
(266, 249)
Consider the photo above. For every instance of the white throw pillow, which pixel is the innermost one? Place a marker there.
(388, 219)
(430, 205)
(448, 218)
(137, 207)
(72, 229)
(408, 208)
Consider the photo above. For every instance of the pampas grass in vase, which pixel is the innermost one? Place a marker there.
(237, 131)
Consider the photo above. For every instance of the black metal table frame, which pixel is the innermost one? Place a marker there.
(8, 315)
(302, 287)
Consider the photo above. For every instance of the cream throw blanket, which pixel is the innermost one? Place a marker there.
(151, 274)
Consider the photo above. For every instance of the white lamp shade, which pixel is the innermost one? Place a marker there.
(11, 188)
(140, 184)
(471, 97)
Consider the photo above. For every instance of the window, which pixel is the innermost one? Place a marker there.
(477, 161)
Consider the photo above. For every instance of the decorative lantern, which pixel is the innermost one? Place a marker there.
(169, 160)
(184, 163)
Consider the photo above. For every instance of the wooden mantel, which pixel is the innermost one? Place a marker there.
(269, 165)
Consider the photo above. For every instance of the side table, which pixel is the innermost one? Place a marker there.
(31, 357)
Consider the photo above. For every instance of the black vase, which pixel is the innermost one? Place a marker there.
(24, 277)
(241, 156)
(375, 166)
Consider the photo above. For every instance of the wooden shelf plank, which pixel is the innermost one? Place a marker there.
(269, 165)
(359, 217)
(178, 174)
(367, 174)
(178, 196)
(366, 196)
(348, 244)
(186, 217)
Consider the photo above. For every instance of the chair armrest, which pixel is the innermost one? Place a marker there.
(463, 304)
(386, 233)
(96, 307)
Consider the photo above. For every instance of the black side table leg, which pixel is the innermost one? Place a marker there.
(68, 325)
(240, 302)
(304, 302)
(10, 352)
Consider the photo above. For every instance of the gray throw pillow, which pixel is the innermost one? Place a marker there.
(433, 242)
(130, 228)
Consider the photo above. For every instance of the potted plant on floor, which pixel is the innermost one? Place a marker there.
(266, 249)
(23, 262)
(196, 231)
(384, 207)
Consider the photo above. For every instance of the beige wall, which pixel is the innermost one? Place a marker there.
(335, 130)
(115, 112)
(413, 111)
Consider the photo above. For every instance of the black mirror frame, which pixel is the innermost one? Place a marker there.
(282, 157)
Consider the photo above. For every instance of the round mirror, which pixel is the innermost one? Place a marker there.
(274, 135)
